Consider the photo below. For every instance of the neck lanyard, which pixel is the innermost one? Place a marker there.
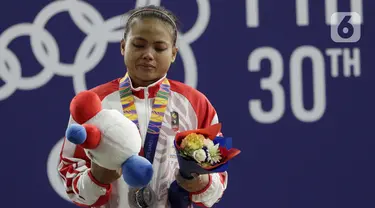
(157, 114)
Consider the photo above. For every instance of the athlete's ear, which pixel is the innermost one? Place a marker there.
(174, 53)
(122, 47)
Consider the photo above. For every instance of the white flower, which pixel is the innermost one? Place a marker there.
(215, 159)
(208, 143)
(199, 155)
(214, 154)
(214, 150)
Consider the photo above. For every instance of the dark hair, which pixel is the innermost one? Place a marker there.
(153, 11)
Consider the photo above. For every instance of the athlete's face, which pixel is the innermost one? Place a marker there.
(148, 50)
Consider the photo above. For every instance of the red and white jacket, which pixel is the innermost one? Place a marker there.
(194, 110)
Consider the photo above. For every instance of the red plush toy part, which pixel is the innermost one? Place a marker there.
(84, 106)
(93, 137)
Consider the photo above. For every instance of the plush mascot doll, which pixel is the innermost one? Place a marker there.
(109, 138)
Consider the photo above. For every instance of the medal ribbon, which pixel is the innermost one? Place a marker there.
(157, 114)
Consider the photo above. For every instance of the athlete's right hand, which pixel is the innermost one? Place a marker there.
(103, 175)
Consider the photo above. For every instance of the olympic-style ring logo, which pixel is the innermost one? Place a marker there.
(99, 33)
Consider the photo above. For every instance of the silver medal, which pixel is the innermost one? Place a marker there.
(141, 198)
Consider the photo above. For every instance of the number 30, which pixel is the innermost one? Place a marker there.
(272, 84)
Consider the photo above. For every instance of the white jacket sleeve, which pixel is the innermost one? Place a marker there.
(213, 192)
(81, 186)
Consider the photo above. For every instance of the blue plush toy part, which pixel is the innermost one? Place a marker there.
(137, 171)
(76, 134)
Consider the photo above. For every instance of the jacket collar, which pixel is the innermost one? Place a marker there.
(152, 89)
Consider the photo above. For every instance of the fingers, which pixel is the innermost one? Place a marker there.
(195, 175)
(190, 185)
(177, 174)
(103, 175)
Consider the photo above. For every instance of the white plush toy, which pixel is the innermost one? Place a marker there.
(109, 138)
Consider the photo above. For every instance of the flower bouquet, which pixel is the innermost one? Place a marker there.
(201, 151)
